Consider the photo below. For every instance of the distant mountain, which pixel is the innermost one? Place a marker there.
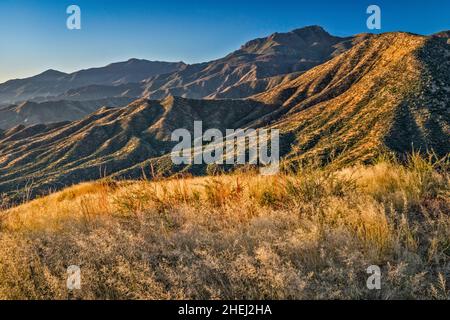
(95, 92)
(257, 66)
(32, 113)
(51, 83)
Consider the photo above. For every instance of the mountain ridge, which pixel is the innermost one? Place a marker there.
(31, 113)
(279, 54)
(52, 83)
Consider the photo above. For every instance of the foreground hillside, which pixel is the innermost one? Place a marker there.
(303, 236)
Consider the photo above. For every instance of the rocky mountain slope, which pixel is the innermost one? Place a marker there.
(389, 92)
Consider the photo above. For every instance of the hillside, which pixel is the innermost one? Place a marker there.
(109, 140)
(388, 93)
(31, 113)
(243, 236)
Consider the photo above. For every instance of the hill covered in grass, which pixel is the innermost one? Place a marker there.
(308, 235)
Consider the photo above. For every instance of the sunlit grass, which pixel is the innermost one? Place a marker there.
(309, 234)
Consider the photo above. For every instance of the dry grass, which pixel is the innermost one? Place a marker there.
(309, 235)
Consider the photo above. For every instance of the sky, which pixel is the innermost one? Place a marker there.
(34, 36)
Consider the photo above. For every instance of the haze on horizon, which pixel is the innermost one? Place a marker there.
(35, 37)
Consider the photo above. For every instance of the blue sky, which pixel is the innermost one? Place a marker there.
(34, 37)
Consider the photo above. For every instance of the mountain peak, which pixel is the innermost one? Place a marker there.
(51, 73)
(308, 34)
(136, 61)
(312, 32)
(312, 28)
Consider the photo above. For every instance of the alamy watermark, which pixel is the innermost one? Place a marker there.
(74, 20)
(374, 280)
(73, 278)
(374, 20)
(238, 146)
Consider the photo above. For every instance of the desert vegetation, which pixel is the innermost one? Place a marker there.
(308, 234)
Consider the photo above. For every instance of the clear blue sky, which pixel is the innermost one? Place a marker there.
(34, 37)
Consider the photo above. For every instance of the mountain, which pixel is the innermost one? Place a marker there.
(389, 92)
(257, 66)
(95, 92)
(32, 113)
(53, 83)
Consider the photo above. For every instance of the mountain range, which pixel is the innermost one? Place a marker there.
(340, 100)
(51, 83)
(257, 66)
(29, 113)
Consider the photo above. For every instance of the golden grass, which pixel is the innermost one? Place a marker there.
(309, 235)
